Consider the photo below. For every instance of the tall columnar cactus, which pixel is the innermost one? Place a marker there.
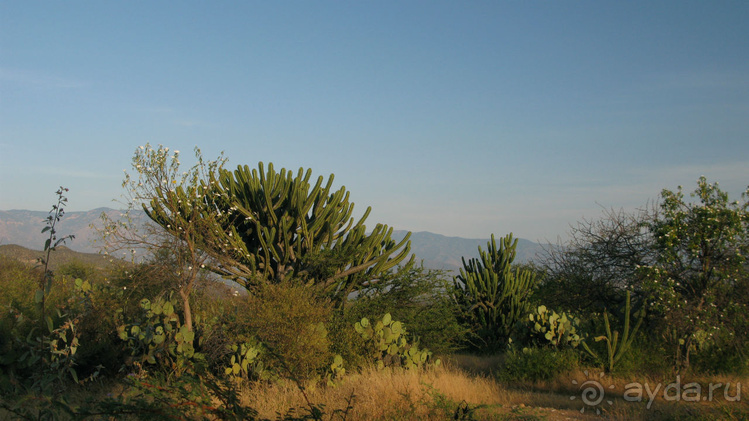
(617, 347)
(281, 226)
(492, 297)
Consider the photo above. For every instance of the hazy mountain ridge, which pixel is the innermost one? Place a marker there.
(442, 252)
(23, 228)
(61, 256)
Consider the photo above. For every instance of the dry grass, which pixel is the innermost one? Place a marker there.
(406, 395)
(474, 364)
(437, 394)
(383, 394)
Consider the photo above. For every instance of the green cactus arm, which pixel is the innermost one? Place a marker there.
(629, 336)
(625, 334)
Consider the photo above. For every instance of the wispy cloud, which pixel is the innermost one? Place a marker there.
(159, 110)
(38, 79)
(188, 123)
(543, 212)
(706, 80)
(77, 173)
(731, 176)
(173, 116)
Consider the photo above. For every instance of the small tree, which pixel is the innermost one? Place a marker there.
(702, 263)
(491, 297)
(174, 200)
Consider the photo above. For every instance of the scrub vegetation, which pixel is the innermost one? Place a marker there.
(255, 294)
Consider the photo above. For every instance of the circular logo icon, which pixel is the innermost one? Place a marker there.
(592, 392)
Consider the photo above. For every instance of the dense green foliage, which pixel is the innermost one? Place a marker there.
(420, 298)
(533, 364)
(700, 278)
(291, 324)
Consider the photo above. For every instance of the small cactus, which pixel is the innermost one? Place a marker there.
(246, 362)
(616, 346)
(545, 327)
(159, 335)
(390, 346)
(336, 372)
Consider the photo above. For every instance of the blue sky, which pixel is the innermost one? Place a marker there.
(460, 118)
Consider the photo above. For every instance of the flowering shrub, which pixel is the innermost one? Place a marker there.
(702, 249)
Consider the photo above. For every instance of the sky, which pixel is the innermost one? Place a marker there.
(463, 118)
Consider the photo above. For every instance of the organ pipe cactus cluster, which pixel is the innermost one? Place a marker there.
(389, 345)
(616, 346)
(547, 327)
(491, 296)
(262, 225)
(269, 226)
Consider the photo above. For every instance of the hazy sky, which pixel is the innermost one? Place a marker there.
(463, 118)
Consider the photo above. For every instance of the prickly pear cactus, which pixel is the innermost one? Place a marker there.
(336, 371)
(159, 337)
(390, 347)
(546, 327)
(246, 362)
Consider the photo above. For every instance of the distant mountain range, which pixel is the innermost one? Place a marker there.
(23, 228)
(61, 257)
(441, 252)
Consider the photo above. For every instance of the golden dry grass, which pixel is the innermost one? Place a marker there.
(406, 395)
(437, 394)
